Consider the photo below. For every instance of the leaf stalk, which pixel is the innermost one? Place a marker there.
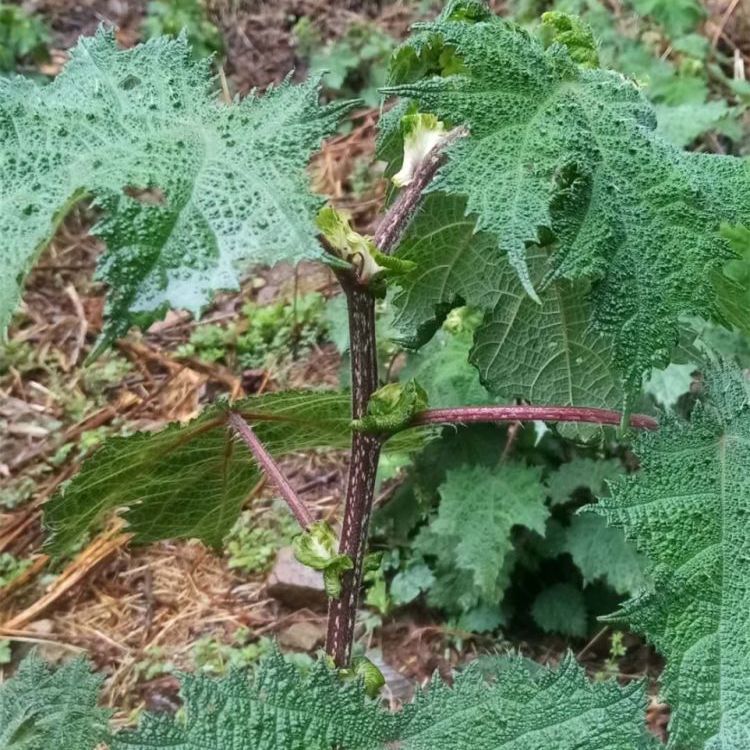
(246, 433)
(522, 413)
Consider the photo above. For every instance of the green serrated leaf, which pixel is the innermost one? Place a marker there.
(480, 507)
(683, 123)
(561, 153)
(732, 282)
(676, 16)
(687, 511)
(570, 364)
(581, 473)
(45, 707)
(277, 709)
(499, 704)
(194, 191)
(409, 583)
(561, 609)
(550, 709)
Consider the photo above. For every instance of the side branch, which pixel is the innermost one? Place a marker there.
(399, 215)
(466, 414)
(243, 430)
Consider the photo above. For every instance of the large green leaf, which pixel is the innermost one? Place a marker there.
(508, 703)
(543, 353)
(687, 510)
(225, 184)
(564, 153)
(277, 709)
(191, 480)
(44, 707)
(524, 710)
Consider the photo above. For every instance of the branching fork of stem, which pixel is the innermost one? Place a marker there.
(365, 450)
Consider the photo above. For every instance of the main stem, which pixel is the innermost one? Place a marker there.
(363, 467)
(360, 490)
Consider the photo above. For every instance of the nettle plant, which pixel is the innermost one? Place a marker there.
(534, 188)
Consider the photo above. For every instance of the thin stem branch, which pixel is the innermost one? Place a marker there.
(466, 414)
(402, 211)
(243, 430)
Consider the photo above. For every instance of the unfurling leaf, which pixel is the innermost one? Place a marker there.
(351, 246)
(392, 407)
(421, 133)
(316, 548)
(572, 33)
(372, 678)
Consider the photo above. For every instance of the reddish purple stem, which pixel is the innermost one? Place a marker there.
(465, 414)
(271, 468)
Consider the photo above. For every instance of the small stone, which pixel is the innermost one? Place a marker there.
(303, 636)
(294, 584)
(398, 689)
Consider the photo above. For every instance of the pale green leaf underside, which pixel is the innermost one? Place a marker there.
(228, 184)
(544, 353)
(480, 508)
(191, 480)
(574, 152)
(687, 510)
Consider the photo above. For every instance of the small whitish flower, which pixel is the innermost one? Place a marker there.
(421, 134)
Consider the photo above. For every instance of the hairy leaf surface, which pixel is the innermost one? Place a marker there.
(687, 510)
(543, 353)
(225, 185)
(503, 704)
(277, 709)
(45, 707)
(551, 709)
(191, 480)
(556, 148)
